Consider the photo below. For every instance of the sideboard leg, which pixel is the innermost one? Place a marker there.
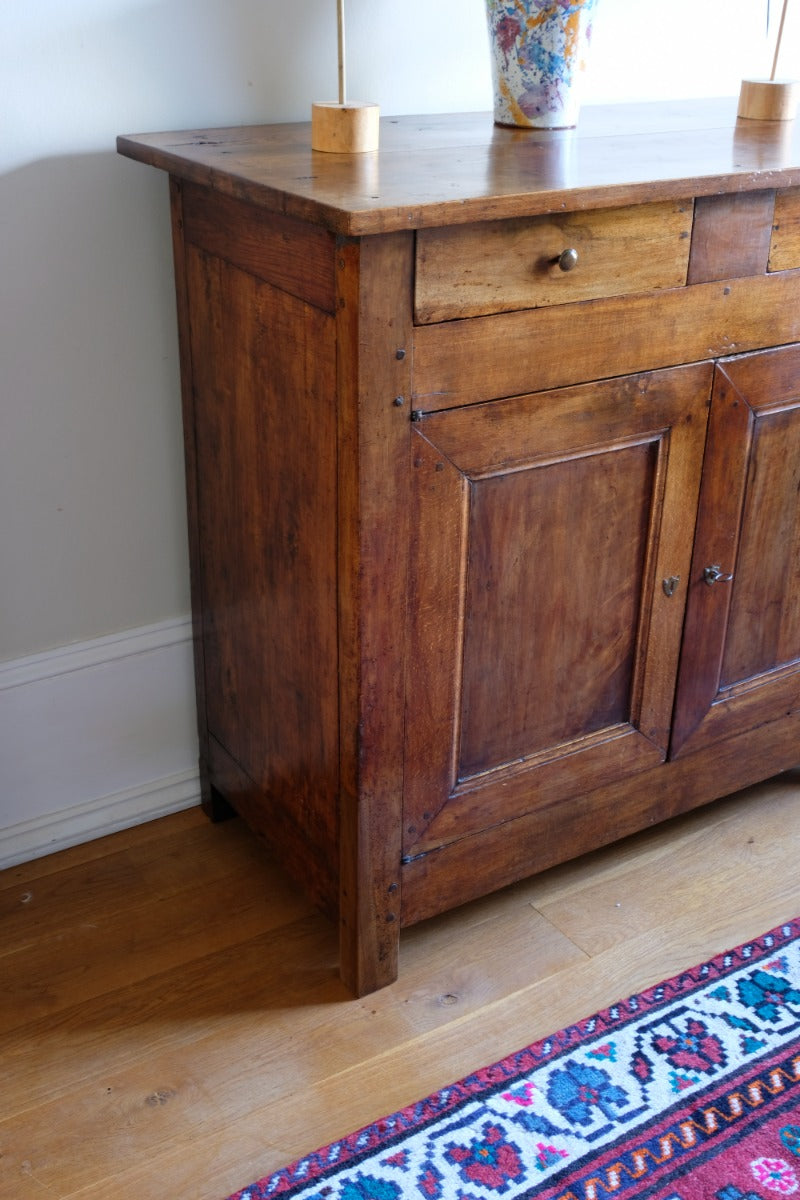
(362, 976)
(369, 899)
(374, 432)
(213, 803)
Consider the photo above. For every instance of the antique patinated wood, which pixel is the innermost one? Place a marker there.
(463, 362)
(492, 452)
(785, 244)
(374, 319)
(214, 807)
(731, 236)
(497, 266)
(742, 640)
(267, 531)
(572, 505)
(443, 170)
(281, 251)
(434, 882)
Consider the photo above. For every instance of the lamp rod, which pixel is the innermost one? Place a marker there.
(778, 43)
(340, 25)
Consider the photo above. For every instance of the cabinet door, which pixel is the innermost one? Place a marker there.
(740, 666)
(552, 536)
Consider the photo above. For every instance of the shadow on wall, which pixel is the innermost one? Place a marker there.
(91, 476)
(93, 532)
(91, 471)
(224, 62)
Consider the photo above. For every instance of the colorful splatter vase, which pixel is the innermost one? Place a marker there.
(539, 50)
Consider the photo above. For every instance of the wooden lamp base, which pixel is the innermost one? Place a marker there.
(768, 99)
(351, 128)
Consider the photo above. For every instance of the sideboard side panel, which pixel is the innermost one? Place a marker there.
(263, 436)
(190, 459)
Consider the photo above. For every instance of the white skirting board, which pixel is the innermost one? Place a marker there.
(95, 737)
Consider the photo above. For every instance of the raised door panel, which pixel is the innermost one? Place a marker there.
(741, 663)
(551, 533)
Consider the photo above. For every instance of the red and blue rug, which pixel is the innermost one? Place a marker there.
(688, 1091)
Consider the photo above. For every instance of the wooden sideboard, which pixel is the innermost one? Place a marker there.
(493, 459)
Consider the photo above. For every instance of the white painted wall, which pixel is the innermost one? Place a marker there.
(91, 479)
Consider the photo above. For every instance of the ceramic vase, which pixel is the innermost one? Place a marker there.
(539, 50)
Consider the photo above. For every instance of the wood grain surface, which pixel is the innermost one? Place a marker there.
(452, 169)
(173, 1023)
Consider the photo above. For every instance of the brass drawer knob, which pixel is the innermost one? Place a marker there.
(568, 259)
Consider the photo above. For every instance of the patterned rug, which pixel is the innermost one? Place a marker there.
(688, 1091)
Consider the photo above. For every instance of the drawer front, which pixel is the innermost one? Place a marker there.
(784, 251)
(500, 266)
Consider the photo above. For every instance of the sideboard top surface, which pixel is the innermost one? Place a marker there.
(453, 169)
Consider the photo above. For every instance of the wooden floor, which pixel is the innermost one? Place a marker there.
(172, 1025)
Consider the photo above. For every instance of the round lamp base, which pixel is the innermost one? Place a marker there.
(351, 128)
(768, 99)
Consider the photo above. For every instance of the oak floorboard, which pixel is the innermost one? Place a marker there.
(114, 950)
(147, 1103)
(200, 1036)
(726, 853)
(401, 1074)
(151, 873)
(88, 852)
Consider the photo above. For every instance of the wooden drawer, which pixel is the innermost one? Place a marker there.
(500, 266)
(784, 250)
